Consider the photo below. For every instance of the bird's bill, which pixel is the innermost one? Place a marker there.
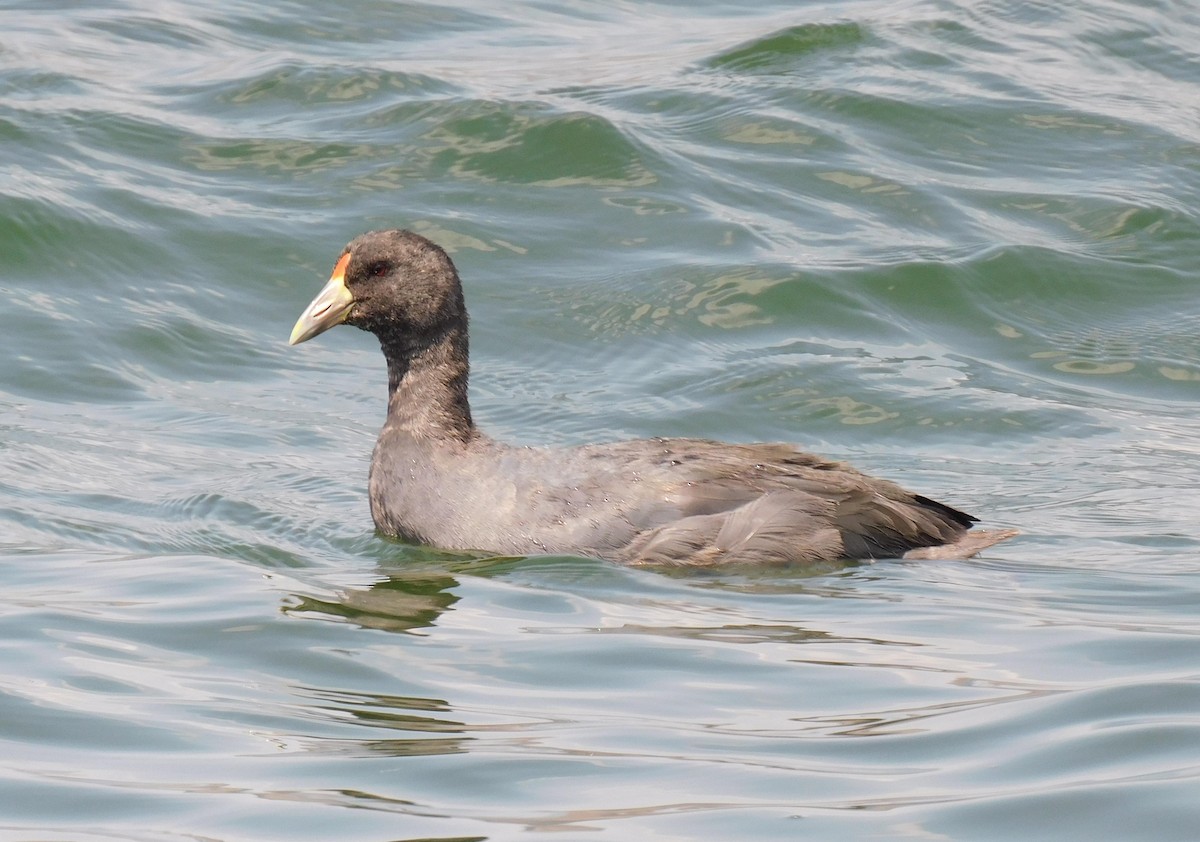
(329, 308)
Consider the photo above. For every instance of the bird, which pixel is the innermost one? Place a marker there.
(437, 479)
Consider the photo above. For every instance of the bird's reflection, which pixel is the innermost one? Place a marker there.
(397, 604)
(414, 589)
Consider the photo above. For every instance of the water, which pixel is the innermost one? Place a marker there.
(951, 242)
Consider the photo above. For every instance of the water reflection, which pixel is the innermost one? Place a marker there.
(850, 691)
(413, 591)
(398, 604)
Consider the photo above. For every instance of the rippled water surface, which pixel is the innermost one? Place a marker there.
(952, 242)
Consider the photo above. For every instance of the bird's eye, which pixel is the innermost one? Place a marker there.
(378, 270)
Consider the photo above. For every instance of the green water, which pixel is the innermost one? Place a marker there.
(952, 242)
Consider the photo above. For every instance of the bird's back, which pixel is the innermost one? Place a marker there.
(655, 501)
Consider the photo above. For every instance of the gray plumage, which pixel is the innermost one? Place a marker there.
(437, 479)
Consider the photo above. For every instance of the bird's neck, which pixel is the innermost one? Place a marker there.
(427, 386)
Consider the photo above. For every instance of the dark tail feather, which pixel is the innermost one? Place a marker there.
(961, 518)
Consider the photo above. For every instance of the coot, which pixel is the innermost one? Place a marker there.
(437, 479)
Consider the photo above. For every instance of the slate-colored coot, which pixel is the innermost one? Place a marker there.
(437, 479)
